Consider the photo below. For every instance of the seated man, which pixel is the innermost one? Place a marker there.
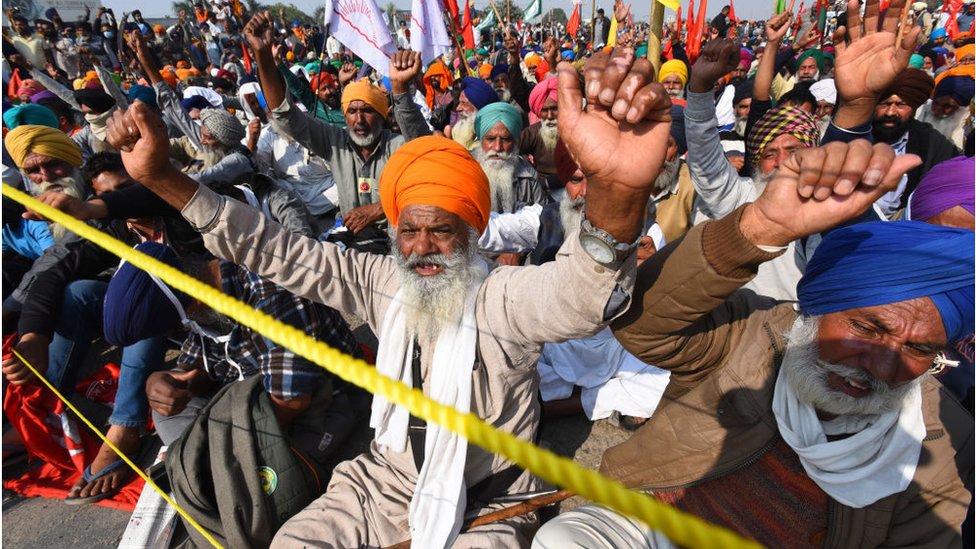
(514, 183)
(801, 429)
(444, 325)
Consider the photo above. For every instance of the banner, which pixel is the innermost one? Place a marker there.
(428, 35)
(533, 10)
(359, 26)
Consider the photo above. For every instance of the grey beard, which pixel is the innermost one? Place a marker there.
(463, 131)
(668, 176)
(504, 94)
(740, 125)
(570, 213)
(675, 93)
(549, 132)
(364, 141)
(500, 169)
(761, 180)
(807, 374)
(433, 302)
(73, 186)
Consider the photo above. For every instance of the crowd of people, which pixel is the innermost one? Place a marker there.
(756, 253)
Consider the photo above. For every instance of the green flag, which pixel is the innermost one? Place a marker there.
(780, 6)
(487, 22)
(533, 10)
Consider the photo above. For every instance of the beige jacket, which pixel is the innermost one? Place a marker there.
(716, 416)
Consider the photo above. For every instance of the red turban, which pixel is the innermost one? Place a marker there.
(435, 171)
(547, 89)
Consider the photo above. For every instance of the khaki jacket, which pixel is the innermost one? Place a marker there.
(723, 350)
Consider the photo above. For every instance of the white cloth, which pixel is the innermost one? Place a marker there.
(514, 232)
(825, 90)
(611, 378)
(874, 462)
(890, 200)
(211, 96)
(428, 34)
(360, 27)
(437, 506)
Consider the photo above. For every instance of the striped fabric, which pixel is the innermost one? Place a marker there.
(779, 121)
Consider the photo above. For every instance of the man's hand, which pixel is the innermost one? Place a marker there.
(620, 141)
(259, 32)
(34, 348)
(141, 136)
(871, 62)
(513, 48)
(347, 73)
(816, 189)
(621, 11)
(404, 67)
(776, 28)
(551, 53)
(169, 392)
(717, 58)
(78, 209)
(359, 218)
(645, 249)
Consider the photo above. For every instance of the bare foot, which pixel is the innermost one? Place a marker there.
(127, 440)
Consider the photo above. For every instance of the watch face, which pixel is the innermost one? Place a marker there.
(599, 250)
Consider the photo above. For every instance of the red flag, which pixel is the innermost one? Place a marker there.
(691, 17)
(732, 12)
(246, 59)
(677, 25)
(452, 8)
(14, 85)
(467, 29)
(695, 40)
(572, 27)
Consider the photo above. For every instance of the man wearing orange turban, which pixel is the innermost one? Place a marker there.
(473, 338)
(437, 83)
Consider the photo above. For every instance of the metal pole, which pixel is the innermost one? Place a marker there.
(593, 25)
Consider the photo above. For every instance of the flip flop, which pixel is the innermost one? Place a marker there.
(88, 477)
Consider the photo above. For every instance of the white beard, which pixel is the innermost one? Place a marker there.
(667, 178)
(365, 141)
(761, 180)
(463, 131)
(740, 125)
(73, 186)
(570, 213)
(807, 374)
(549, 132)
(947, 125)
(500, 169)
(675, 93)
(504, 94)
(822, 124)
(433, 302)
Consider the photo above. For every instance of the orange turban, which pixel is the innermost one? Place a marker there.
(435, 171)
(437, 68)
(963, 51)
(362, 90)
(182, 64)
(183, 74)
(484, 71)
(169, 77)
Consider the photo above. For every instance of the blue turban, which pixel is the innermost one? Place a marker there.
(959, 88)
(938, 33)
(143, 93)
(880, 263)
(195, 102)
(498, 70)
(495, 113)
(478, 92)
(136, 308)
(30, 114)
(567, 55)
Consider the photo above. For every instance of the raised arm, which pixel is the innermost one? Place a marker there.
(404, 68)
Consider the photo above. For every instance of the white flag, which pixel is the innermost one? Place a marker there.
(359, 25)
(428, 35)
(533, 10)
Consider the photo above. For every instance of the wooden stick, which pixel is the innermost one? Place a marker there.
(901, 25)
(790, 9)
(497, 14)
(508, 512)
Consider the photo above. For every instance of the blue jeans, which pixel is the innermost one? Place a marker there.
(80, 321)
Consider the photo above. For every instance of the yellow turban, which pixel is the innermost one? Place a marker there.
(362, 90)
(674, 66)
(24, 140)
(435, 171)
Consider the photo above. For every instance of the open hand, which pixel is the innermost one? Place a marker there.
(874, 58)
(819, 188)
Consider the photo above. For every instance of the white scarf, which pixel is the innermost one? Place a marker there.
(876, 461)
(437, 507)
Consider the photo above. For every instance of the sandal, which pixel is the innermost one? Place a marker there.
(88, 476)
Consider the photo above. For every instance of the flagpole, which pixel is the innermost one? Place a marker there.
(457, 43)
(593, 26)
(654, 35)
(508, 18)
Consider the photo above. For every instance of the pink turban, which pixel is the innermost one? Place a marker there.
(547, 89)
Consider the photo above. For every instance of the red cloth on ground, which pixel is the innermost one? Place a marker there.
(52, 434)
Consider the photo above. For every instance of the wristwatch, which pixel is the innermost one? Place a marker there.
(602, 246)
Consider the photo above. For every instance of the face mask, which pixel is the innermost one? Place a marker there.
(108, 34)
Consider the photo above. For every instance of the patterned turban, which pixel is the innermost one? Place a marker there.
(224, 126)
(779, 121)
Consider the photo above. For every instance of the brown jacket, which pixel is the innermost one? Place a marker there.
(723, 351)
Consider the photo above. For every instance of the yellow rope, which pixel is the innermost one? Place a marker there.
(105, 439)
(682, 528)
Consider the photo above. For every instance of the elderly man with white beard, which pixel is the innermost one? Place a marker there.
(539, 139)
(514, 183)
(445, 325)
(816, 426)
(357, 153)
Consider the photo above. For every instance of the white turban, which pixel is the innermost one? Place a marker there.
(825, 90)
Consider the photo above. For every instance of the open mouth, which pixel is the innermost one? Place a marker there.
(427, 268)
(849, 386)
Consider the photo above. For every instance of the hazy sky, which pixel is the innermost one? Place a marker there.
(750, 9)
